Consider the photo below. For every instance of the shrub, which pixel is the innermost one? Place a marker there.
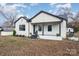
(76, 29)
(14, 32)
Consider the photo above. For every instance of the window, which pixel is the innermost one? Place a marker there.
(49, 27)
(39, 28)
(22, 27)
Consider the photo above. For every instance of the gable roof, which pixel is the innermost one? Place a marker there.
(48, 14)
(0, 27)
(24, 17)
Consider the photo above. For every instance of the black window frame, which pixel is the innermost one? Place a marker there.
(22, 27)
(49, 28)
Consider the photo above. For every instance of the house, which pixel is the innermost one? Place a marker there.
(47, 26)
(22, 26)
(0, 28)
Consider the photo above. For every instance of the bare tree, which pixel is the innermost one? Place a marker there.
(10, 17)
(65, 12)
(77, 16)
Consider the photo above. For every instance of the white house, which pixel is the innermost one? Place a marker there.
(48, 26)
(21, 26)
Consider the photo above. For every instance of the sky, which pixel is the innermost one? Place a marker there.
(30, 9)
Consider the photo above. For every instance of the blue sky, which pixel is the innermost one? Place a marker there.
(30, 9)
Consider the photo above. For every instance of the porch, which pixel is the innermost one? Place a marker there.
(51, 30)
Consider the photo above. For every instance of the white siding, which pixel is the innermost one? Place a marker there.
(21, 22)
(63, 29)
(30, 29)
(44, 18)
(55, 29)
(54, 32)
(50, 37)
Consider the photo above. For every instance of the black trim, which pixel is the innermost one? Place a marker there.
(23, 18)
(48, 14)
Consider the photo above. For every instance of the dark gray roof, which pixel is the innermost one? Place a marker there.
(29, 20)
(22, 17)
(48, 14)
(0, 27)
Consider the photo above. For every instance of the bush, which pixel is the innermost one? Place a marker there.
(76, 29)
(14, 32)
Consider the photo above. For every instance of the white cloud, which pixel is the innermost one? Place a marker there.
(50, 11)
(67, 5)
(51, 4)
(19, 5)
(33, 4)
(11, 8)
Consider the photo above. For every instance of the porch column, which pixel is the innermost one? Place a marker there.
(60, 29)
(43, 30)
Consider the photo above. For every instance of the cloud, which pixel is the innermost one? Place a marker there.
(11, 8)
(19, 5)
(33, 4)
(67, 5)
(51, 4)
(50, 11)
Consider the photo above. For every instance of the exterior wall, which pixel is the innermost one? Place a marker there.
(55, 29)
(63, 29)
(44, 18)
(70, 30)
(21, 22)
(54, 32)
(3, 33)
(50, 37)
(30, 29)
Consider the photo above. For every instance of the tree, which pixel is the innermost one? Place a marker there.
(10, 17)
(77, 16)
(64, 10)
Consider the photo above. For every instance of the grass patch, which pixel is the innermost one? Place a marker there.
(22, 46)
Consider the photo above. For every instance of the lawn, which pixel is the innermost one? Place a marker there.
(22, 46)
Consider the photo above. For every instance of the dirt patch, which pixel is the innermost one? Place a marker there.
(22, 46)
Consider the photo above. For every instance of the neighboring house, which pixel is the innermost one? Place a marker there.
(0, 28)
(47, 26)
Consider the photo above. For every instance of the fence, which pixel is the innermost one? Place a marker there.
(3, 33)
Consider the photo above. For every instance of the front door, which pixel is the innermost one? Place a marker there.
(33, 29)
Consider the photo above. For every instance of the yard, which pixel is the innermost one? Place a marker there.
(22, 46)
